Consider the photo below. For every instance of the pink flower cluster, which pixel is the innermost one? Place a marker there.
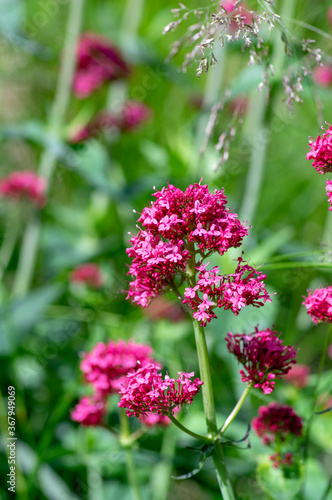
(24, 184)
(106, 368)
(232, 291)
(89, 411)
(177, 226)
(298, 376)
(322, 75)
(147, 391)
(89, 274)
(329, 193)
(276, 421)
(263, 356)
(321, 152)
(98, 61)
(129, 118)
(108, 365)
(319, 304)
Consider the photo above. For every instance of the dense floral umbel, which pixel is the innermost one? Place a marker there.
(231, 291)
(263, 356)
(321, 152)
(319, 304)
(88, 274)
(275, 422)
(329, 193)
(147, 391)
(98, 61)
(25, 184)
(172, 226)
(89, 411)
(107, 366)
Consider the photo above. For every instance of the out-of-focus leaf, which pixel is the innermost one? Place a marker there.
(22, 314)
(277, 483)
(11, 16)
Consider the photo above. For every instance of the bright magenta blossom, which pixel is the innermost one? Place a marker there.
(263, 356)
(147, 391)
(276, 421)
(321, 152)
(89, 274)
(329, 192)
(177, 226)
(98, 61)
(232, 291)
(319, 304)
(25, 184)
(107, 366)
(89, 411)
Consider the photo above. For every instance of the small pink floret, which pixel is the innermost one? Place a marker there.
(25, 184)
(321, 152)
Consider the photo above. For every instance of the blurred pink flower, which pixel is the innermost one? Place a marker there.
(279, 459)
(88, 274)
(322, 75)
(98, 61)
(329, 15)
(263, 356)
(329, 192)
(321, 152)
(240, 12)
(107, 366)
(132, 115)
(147, 391)
(152, 419)
(298, 376)
(161, 308)
(276, 421)
(25, 184)
(319, 304)
(330, 351)
(89, 411)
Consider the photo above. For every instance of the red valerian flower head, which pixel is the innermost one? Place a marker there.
(329, 193)
(25, 184)
(278, 459)
(321, 152)
(172, 226)
(90, 411)
(147, 391)
(98, 61)
(298, 376)
(319, 304)
(88, 274)
(107, 366)
(275, 422)
(233, 291)
(263, 356)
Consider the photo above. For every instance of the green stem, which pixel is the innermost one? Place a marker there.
(27, 258)
(9, 240)
(130, 465)
(160, 479)
(186, 430)
(210, 412)
(314, 401)
(236, 409)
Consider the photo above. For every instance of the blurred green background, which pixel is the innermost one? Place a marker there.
(88, 216)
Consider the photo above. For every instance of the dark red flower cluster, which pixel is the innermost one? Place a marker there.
(321, 152)
(25, 184)
(319, 304)
(278, 459)
(263, 356)
(98, 61)
(88, 274)
(275, 422)
(147, 391)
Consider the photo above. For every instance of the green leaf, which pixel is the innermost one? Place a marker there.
(279, 483)
(19, 316)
